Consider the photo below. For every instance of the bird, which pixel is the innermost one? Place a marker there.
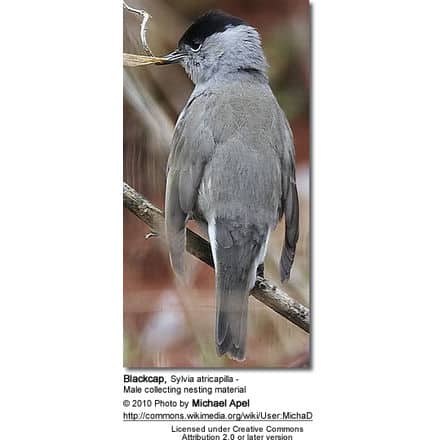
(231, 167)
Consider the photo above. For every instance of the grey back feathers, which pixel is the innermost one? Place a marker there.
(231, 168)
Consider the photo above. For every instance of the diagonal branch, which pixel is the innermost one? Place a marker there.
(264, 290)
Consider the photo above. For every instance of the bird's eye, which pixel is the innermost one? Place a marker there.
(195, 46)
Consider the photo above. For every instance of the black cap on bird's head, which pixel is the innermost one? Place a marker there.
(208, 24)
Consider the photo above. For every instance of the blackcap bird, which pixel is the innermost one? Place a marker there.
(231, 166)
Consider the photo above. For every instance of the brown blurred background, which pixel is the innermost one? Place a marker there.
(166, 326)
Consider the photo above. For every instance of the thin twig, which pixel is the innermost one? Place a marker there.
(143, 32)
(151, 235)
(264, 290)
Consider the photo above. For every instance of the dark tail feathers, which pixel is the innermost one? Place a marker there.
(237, 253)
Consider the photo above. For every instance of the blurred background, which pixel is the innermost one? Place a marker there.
(166, 326)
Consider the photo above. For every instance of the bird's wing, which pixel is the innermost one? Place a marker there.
(191, 148)
(289, 200)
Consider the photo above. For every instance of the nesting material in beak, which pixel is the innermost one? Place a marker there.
(131, 60)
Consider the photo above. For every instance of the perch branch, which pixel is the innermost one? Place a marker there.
(264, 290)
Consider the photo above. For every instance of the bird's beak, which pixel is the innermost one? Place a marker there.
(171, 58)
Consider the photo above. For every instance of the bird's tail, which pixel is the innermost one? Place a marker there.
(237, 252)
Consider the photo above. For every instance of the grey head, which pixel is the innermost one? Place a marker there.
(219, 44)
